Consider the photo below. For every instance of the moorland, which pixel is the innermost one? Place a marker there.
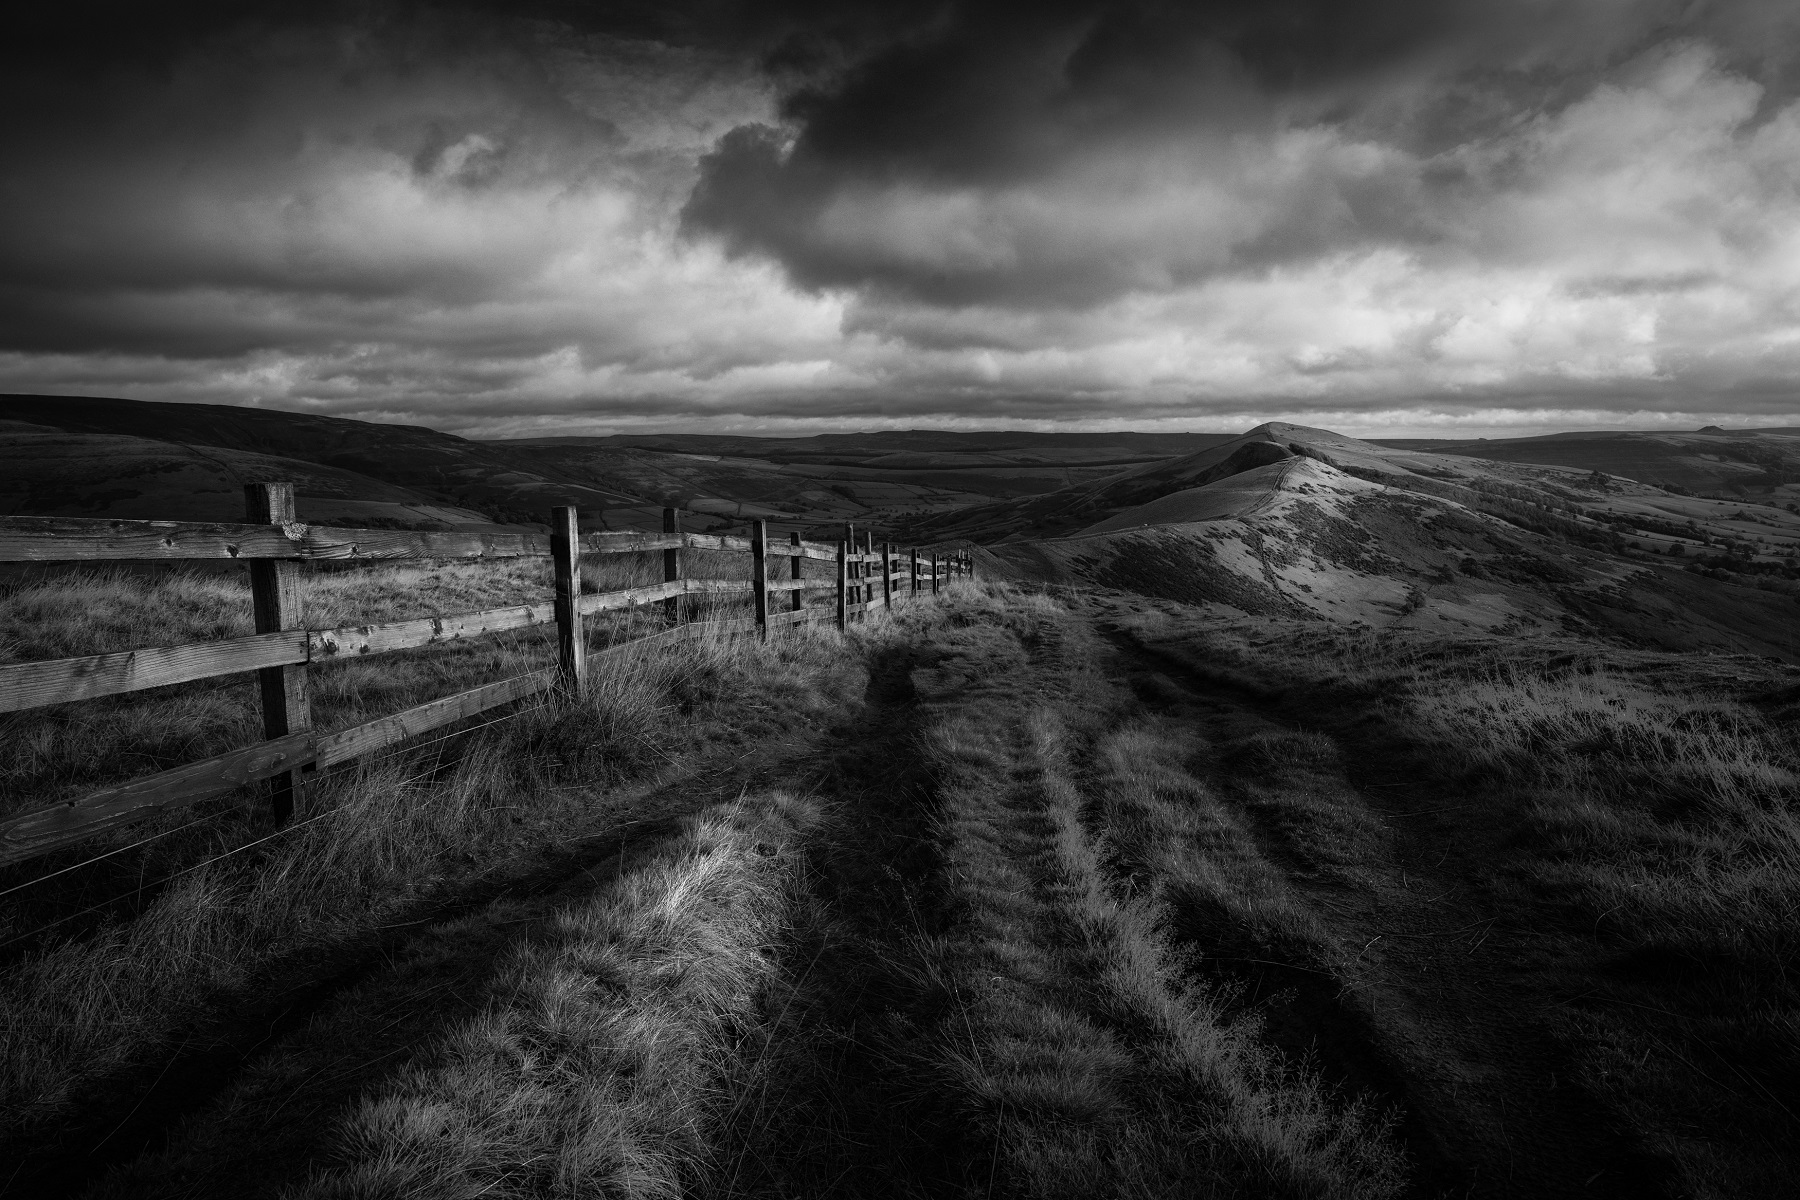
(1273, 815)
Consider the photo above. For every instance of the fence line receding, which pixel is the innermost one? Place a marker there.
(275, 547)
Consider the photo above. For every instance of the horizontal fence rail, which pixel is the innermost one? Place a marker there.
(88, 539)
(866, 578)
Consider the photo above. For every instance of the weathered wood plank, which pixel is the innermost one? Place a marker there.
(795, 562)
(697, 587)
(650, 593)
(275, 603)
(433, 714)
(88, 539)
(85, 539)
(565, 554)
(716, 541)
(58, 681)
(738, 545)
(351, 641)
(799, 549)
(628, 542)
(31, 834)
(672, 563)
(759, 577)
(371, 736)
(843, 580)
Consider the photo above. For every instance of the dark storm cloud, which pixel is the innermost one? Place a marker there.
(980, 163)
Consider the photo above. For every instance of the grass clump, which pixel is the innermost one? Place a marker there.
(594, 1070)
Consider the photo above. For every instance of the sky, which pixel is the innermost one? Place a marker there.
(1389, 218)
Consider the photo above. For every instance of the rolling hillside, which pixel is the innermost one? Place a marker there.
(1759, 464)
(85, 456)
(1306, 523)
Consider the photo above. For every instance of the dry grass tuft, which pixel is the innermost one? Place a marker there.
(593, 1072)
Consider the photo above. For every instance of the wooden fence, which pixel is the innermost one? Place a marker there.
(276, 546)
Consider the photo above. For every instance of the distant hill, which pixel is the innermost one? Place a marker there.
(106, 456)
(48, 471)
(428, 467)
(1761, 464)
(1303, 522)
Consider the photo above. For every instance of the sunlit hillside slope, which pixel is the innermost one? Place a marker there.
(1761, 464)
(1301, 522)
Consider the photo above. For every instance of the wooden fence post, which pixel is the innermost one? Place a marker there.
(869, 572)
(887, 575)
(852, 591)
(915, 571)
(843, 581)
(672, 564)
(571, 648)
(796, 559)
(934, 572)
(759, 576)
(275, 599)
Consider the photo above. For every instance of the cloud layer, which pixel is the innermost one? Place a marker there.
(1408, 216)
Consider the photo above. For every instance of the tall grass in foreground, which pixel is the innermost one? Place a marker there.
(376, 841)
(595, 1070)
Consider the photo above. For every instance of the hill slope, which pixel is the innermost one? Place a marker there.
(1306, 523)
(1761, 464)
(66, 455)
(426, 466)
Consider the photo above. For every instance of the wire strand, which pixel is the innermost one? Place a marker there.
(166, 879)
(393, 753)
(116, 850)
